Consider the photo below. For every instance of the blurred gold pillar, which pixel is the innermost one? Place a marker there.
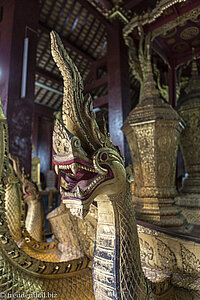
(189, 110)
(35, 171)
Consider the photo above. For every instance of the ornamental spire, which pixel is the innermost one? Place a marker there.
(194, 82)
(149, 89)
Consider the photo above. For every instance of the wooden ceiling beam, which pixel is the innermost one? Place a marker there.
(97, 64)
(48, 76)
(88, 88)
(91, 9)
(43, 110)
(131, 3)
(106, 4)
(68, 44)
(101, 101)
(96, 84)
(101, 62)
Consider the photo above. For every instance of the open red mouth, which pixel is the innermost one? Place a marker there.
(26, 193)
(78, 180)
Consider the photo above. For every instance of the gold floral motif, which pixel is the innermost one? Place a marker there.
(171, 41)
(189, 33)
(164, 256)
(181, 21)
(191, 264)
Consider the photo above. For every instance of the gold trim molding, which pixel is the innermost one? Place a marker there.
(150, 17)
(180, 21)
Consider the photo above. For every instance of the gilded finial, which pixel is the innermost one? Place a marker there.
(149, 90)
(194, 81)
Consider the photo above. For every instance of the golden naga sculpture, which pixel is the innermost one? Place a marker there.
(30, 268)
(35, 213)
(90, 168)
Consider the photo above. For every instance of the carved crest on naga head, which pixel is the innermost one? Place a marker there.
(87, 163)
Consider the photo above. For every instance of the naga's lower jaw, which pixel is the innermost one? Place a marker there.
(81, 194)
(26, 195)
(79, 181)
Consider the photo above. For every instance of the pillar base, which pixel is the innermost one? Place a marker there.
(191, 186)
(190, 205)
(158, 211)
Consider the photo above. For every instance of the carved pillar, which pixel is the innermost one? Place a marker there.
(189, 110)
(152, 130)
(19, 21)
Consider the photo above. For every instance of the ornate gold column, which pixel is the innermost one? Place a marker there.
(189, 110)
(152, 130)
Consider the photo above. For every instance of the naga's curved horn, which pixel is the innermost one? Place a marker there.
(77, 110)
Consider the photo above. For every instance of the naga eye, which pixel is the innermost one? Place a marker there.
(104, 156)
(77, 143)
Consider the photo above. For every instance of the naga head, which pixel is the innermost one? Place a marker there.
(87, 163)
(29, 189)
